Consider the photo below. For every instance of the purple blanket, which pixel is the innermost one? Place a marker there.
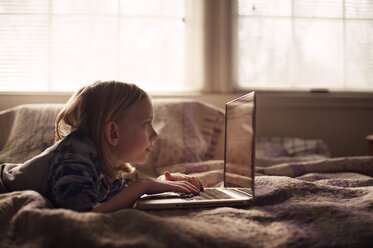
(288, 213)
(320, 203)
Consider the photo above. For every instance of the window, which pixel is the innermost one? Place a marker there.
(187, 45)
(59, 45)
(305, 44)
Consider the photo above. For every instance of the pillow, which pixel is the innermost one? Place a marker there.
(277, 150)
(290, 147)
(189, 131)
(26, 131)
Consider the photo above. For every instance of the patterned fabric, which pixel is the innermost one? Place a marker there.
(287, 213)
(272, 147)
(68, 174)
(26, 131)
(276, 150)
(189, 131)
(75, 175)
(321, 203)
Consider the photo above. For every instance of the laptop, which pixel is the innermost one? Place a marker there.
(239, 156)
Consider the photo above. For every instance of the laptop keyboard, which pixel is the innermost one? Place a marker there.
(207, 194)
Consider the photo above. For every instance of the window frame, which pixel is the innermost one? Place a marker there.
(341, 92)
(213, 64)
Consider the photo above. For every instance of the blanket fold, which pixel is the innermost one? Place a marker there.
(303, 198)
(287, 213)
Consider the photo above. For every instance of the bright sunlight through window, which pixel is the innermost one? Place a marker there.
(59, 45)
(305, 44)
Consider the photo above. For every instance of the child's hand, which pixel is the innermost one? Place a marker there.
(181, 177)
(128, 196)
(153, 186)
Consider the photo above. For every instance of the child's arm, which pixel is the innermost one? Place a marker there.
(128, 196)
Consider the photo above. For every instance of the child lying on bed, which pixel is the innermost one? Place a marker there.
(104, 127)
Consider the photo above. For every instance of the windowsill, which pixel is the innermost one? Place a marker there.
(315, 99)
(286, 93)
(265, 99)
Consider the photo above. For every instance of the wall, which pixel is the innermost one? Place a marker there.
(341, 120)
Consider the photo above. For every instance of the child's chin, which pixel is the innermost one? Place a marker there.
(142, 161)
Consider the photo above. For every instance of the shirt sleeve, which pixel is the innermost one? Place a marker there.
(75, 185)
(75, 181)
(115, 187)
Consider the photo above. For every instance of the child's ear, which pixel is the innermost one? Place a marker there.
(112, 133)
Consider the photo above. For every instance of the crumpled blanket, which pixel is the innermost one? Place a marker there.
(287, 213)
(26, 131)
(303, 198)
(211, 172)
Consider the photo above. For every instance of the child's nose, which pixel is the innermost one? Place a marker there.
(154, 135)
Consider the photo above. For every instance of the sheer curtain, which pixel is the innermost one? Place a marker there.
(59, 45)
(305, 44)
(187, 45)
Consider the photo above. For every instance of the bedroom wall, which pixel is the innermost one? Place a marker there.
(341, 120)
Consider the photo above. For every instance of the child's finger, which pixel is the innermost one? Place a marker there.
(173, 177)
(177, 177)
(167, 176)
(195, 182)
(190, 188)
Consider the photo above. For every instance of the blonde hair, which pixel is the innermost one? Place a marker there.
(90, 108)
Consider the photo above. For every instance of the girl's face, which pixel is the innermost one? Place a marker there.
(135, 134)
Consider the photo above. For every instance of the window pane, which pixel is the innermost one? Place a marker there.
(24, 6)
(85, 6)
(152, 53)
(60, 45)
(318, 8)
(325, 44)
(24, 52)
(318, 54)
(264, 48)
(165, 8)
(359, 9)
(359, 51)
(84, 50)
(264, 7)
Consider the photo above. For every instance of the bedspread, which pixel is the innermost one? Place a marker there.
(288, 212)
(303, 198)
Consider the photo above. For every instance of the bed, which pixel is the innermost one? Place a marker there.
(304, 198)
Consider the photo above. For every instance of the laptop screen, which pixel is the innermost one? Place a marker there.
(239, 151)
